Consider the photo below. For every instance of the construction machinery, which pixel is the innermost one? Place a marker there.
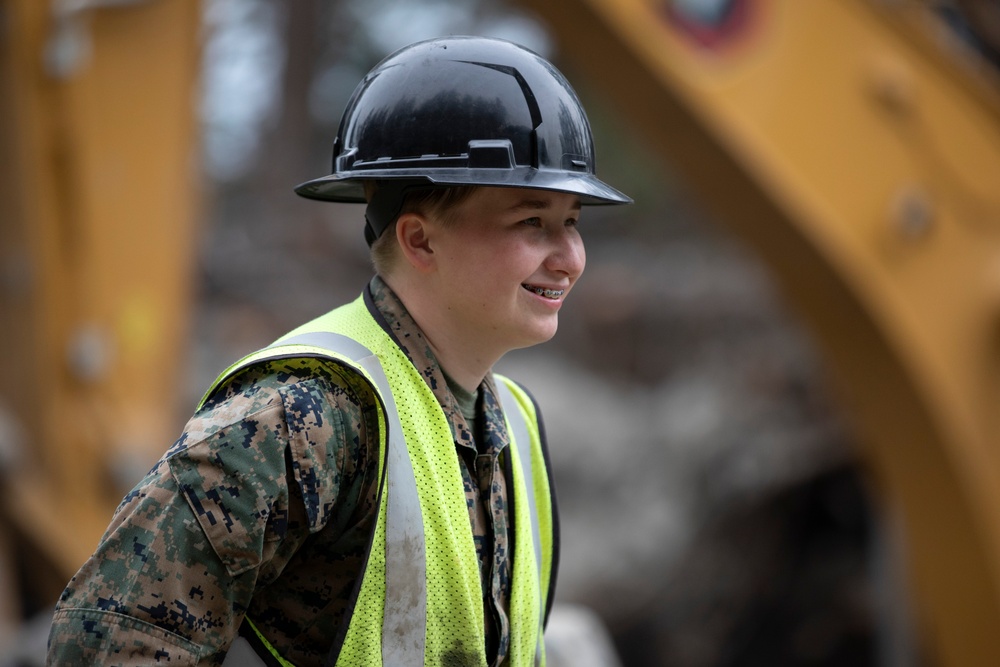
(855, 144)
(97, 232)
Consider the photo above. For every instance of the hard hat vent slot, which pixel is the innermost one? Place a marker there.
(575, 163)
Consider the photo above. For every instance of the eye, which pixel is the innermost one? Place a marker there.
(532, 222)
(572, 222)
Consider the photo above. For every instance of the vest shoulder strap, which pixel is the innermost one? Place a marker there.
(518, 429)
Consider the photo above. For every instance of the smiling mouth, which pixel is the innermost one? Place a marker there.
(542, 292)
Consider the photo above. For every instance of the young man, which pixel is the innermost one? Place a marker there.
(365, 491)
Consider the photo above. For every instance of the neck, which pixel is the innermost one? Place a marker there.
(460, 352)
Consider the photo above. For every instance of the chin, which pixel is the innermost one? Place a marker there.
(540, 335)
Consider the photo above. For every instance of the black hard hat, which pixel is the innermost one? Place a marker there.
(460, 111)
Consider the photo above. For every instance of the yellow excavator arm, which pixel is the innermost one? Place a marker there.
(97, 225)
(855, 145)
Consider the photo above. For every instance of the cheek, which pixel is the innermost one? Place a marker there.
(575, 259)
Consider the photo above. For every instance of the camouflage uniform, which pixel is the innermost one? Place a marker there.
(264, 506)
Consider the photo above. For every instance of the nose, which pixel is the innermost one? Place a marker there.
(567, 254)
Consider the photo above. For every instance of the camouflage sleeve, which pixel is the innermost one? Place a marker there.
(221, 513)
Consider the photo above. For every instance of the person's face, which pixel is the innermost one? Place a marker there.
(507, 259)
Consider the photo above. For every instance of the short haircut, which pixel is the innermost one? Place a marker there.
(438, 202)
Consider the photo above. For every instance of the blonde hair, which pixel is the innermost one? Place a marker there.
(437, 202)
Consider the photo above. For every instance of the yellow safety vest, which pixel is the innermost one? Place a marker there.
(420, 599)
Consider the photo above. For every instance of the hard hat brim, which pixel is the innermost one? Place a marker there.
(350, 187)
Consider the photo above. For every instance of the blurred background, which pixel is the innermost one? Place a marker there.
(771, 401)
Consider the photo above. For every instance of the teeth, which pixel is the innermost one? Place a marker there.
(547, 293)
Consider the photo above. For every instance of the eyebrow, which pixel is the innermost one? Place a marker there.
(538, 205)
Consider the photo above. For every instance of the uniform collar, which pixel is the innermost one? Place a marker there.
(402, 327)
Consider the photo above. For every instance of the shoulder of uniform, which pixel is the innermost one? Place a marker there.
(305, 409)
(259, 393)
(269, 376)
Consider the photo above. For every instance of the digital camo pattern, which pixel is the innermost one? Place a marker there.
(222, 515)
(264, 506)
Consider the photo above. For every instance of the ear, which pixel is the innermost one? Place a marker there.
(414, 239)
